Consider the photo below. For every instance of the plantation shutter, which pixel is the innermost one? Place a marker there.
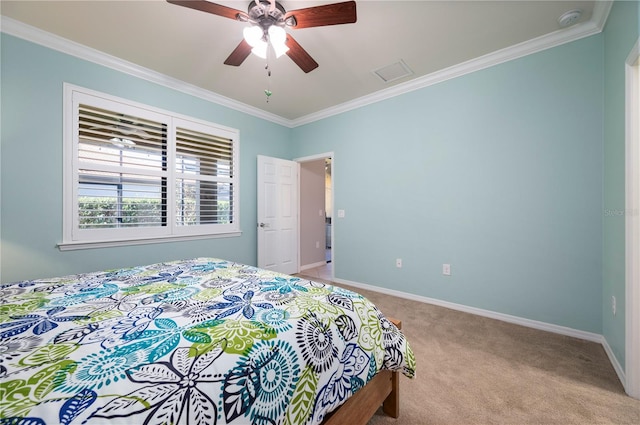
(204, 178)
(136, 174)
(122, 170)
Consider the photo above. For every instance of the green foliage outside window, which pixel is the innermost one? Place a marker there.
(99, 212)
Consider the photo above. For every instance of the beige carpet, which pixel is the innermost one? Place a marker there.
(475, 370)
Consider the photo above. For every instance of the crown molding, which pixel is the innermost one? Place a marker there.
(557, 38)
(46, 39)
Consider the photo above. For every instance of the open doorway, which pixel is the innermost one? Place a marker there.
(316, 233)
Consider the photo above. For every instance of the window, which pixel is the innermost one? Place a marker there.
(136, 174)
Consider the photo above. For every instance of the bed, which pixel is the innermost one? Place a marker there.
(199, 341)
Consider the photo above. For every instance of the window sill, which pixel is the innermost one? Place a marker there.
(78, 245)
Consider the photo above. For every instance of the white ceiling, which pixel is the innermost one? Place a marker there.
(436, 39)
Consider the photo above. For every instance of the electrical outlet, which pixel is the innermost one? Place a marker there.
(399, 263)
(446, 269)
(613, 305)
(317, 244)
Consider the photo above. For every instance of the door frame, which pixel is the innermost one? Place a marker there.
(333, 179)
(632, 222)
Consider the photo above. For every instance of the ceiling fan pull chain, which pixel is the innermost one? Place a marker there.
(267, 91)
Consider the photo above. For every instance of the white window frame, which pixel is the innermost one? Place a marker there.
(76, 238)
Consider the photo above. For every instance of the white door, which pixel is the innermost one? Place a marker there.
(278, 214)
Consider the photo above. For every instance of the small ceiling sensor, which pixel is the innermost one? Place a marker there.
(569, 18)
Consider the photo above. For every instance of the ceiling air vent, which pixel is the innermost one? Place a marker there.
(393, 72)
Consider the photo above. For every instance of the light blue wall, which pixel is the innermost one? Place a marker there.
(620, 35)
(498, 173)
(31, 146)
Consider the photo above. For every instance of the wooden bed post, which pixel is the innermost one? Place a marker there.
(391, 405)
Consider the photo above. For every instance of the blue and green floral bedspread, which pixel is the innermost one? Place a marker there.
(202, 341)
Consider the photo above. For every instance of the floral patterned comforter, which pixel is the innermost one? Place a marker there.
(202, 341)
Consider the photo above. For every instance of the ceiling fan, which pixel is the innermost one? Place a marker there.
(270, 18)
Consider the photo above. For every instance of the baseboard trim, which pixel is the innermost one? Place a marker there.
(562, 330)
(313, 266)
(614, 362)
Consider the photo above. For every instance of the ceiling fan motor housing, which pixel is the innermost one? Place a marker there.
(261, 13)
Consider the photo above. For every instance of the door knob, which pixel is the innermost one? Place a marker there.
(263, 225)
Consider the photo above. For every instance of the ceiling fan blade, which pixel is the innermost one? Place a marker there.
(299, 55)
(239, 54)
(213, 8)
(319, 16)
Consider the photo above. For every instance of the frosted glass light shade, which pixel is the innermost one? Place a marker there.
(278, 37)
(260, 50)
(253, 35)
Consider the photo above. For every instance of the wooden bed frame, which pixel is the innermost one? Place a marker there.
(383, 390)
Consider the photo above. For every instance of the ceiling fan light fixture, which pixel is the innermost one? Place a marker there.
(253, 35)
(278, 38)
(277, 34)
(260, 50)
(280, 49)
